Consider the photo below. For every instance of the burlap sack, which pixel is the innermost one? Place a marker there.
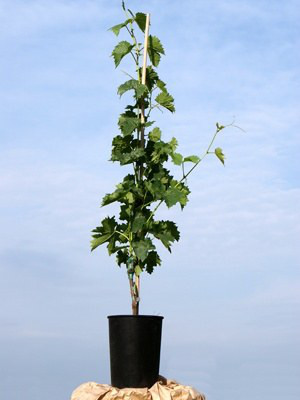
(162, 390)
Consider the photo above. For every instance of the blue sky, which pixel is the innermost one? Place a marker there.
(230, 291)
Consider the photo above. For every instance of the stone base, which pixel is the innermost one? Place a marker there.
(162, 390)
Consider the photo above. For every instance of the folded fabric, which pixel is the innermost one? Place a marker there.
(164, 389)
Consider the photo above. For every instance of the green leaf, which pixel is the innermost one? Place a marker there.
(152, 261)
(120, 146)
(172, 196)
(142, 247)
(151, 77)
(177, 158)
(97, 241)
(140, 19)
(155, 134)
(129, 198)
(161, 85)
(176, 193)
(122, 193)
(166, 231)
(166, 101)
(103, 232)
(116, 29)
(161, 152)
(173, 143)
(125, 213)
(109, 198)
(220, 155)
(122, 257)
(155, 49)
(120, 51)
(138, 223)
(219, 127)
(128, 124)
(193, 159)
(133, 84)
(133, 156)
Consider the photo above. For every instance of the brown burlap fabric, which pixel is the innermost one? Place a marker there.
(162, 390)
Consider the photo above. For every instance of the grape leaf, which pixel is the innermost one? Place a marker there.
(193, 159)
(140, 19)
(155, 134)
(135, 85)
(155, 49)
(177, 158)
(133, 156)
(152, 261)
(116, 29)
(104, 232)
(161, 85)
(98, 240)
(142, 247)
(128, 124)
(166, 231)
(120, 51)
(220, 155)
(138, 223)
(122, 257)
(166, 101)
(172, 196)
(219, 127)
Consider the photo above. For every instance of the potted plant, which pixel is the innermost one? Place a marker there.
(135, 339)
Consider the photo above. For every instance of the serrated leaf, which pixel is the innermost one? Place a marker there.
(155, 135)
(129, 197)
(122, 257)
(109, 198)
(193, 159)
(177, 158)
(151, 77)
(220, 155)
(172, 196)
(173, 144)
(97, 241)
(125, 213)
(161, 85)
(103, 232)
(155, 49)
(138, 223)
(128, 124)
(166, 231)
(152, 261)
(122, 192)
(142, 247)
(116, 29)
(166, 101)
(120, 51)
(140, 19)
(133, 84)
(133, 156)
(161, 152)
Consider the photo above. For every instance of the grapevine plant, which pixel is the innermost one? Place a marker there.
(139, 144)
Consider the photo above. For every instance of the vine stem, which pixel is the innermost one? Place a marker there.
(188, 173)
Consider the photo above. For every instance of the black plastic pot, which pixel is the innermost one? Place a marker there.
(134, 342)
